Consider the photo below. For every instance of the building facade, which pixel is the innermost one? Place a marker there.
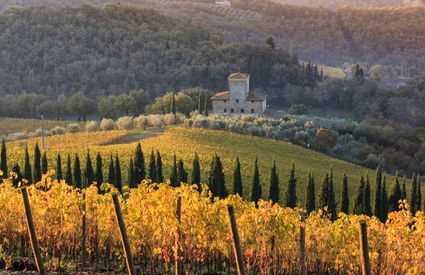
(239, 100)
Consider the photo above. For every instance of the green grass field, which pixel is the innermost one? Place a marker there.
(13, 125)
(184, 142)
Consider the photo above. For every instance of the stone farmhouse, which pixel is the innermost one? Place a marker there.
(239, 100)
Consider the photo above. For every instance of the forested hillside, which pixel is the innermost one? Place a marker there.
(332, 4)
(118, 49)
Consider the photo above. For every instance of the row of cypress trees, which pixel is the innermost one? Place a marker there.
(383, 203)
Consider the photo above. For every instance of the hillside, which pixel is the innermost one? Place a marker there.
(333, 4)
(185, 142)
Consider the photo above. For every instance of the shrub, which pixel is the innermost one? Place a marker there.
(107, 124)
(58, 130)
(324, 139)
(125, 123)
(141, 122)
(156, 120)
(73, 128)
(17, 136)
(298, 109)
(91, 126)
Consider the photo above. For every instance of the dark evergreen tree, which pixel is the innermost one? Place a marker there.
(270, 42)
(345, 200)
(99, 171)
(77, 172)
(173, 109)
(378, 193)
(195, 177)
(44, 164)
(173, 178)
(131, 181)
(237, 179)
(359, 207)
(89, 172)
(413, 196)
(139, 165)
(331, 197)
(310, 201)
(206, 105)
(274, 192)
(256, 185)
(3, 159)
(291, 191)
(181, 172)
(37, 164)
(59, 175)
(159, 176)
(152, 168)
(27, 167)
(384, 202)
(327, 196)
(118, 179)
(216, 181)
(367, 200)
(111, 171)
(403, 190)
(200, 102)
(18, 178)
(395, 196)
(68, 174)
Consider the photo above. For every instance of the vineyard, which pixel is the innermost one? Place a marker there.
(185, 142)
(269, 233)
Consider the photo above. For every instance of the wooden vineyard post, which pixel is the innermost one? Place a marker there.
(364, 249)
(302, 245)
(33, 235)
(236, 241)
(84, 233)
(124, 237)
(178, 239)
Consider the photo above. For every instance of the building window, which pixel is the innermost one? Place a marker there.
(225, 110)
(242, 111)
(252, 111)
(232, 111)
(225, 101)
(252, 101)
(237, 100)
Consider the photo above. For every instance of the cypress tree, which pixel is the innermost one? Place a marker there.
(216, 181)
(111, 171)
(384, 202)
(152, 168)
(17, 170)
(195, 177)
(403, 190)
(237, 179)
(256, 185)
(37, 164)
(118, 180)
(327, 196)
(200, 102)
(413, 195)
(419, 199)
(331, 196)
(206, 105)
(139, 165)
(44, 164)
(159, 176)
(310, 201)
(345, 200)
(173, 105)
(90, 177)
(181, 172)
(3, 159)
(59, 175)
(395, 196)
(131, 181)
(368, 207)
(77, 172)
(68, 174)
(173, 178)
(99, 171)
(274, 192)
(378, 193)
(359, 202)
(291, 195)
(27, 167)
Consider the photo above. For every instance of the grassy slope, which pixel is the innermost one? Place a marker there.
(13, 125)
(185, 142)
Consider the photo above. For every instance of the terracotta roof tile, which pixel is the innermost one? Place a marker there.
(221, 96)
(238, 76)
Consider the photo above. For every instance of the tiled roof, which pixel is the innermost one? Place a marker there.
(255, 96)
(238, 76)
(221, 96)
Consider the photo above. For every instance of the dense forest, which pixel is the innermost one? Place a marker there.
(118, 49)
(389, 36)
